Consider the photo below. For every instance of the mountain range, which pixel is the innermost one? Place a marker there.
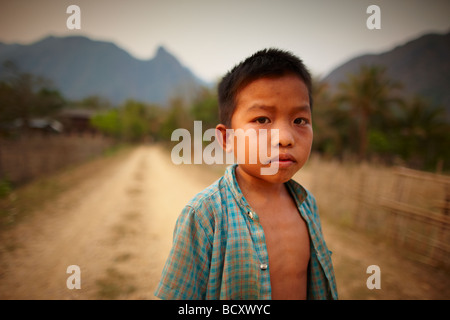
(421, 65)
(80, 67)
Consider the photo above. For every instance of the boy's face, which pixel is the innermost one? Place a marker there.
(276, 103)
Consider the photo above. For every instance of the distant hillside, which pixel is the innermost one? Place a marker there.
(421, 65)
(80, 67)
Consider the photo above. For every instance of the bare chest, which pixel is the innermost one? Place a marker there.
(287, 236)
(288, 246)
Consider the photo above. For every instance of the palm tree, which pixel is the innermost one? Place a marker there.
(366, 94)
(327, 122)
(423, 133)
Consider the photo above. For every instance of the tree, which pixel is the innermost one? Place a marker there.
(134, 121)
(422, 135)
(92, 102)
(205, 108)
(129, 122)
(155, 116)
(368, 97)
(24, 96)
(177, 116)
(108, 123)
(327, 122)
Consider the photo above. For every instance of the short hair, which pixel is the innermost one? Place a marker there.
(264, 63)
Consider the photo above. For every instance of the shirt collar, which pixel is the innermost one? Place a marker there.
(230, 177)
(299, 193)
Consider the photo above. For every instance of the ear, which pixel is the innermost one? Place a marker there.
(221, 136)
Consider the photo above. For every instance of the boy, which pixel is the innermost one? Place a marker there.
(249, 235)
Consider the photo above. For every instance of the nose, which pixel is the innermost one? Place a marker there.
(284, 137)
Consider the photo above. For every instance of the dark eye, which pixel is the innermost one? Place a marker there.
(262, 120)
(300, 121)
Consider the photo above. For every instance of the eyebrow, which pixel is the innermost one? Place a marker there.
(261, 106)
(301, 108)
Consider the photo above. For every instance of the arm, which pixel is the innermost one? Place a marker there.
(186, 271)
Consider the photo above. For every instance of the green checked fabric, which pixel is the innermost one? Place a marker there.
(219, 250)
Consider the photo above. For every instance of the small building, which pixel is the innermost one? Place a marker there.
(36, 125)
(77, 121)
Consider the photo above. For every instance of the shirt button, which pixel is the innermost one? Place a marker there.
(250, 214)
(263, 266)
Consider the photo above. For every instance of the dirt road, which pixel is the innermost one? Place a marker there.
(117, 227)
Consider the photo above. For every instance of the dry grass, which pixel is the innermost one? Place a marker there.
(405, 207)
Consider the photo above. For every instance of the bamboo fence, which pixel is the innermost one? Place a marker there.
(409, 208)
(28, 157)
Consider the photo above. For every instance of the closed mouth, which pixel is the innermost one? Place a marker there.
(283, 158)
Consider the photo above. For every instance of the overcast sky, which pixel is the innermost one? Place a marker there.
(210, 37)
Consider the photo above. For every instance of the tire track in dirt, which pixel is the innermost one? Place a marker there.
(74, 230)
(116, 226)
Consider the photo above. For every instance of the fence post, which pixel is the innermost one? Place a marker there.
(446, 206)
(443, 228)
(2, 174)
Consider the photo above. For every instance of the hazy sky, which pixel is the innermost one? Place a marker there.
(210, 37)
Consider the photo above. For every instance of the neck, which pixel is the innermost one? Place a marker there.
(254, 187)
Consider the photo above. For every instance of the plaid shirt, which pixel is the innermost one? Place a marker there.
(219, 249)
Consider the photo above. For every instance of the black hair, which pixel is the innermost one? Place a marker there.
(264, 63)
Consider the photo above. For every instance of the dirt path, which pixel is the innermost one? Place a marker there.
(117, 227)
